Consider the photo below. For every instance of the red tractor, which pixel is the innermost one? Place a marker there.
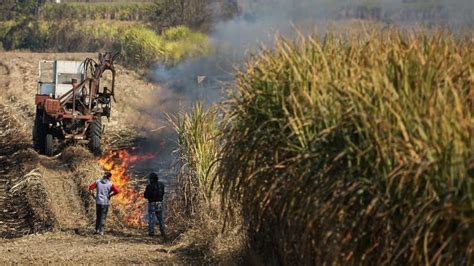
(70, 102)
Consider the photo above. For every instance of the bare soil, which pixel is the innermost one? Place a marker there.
(46, 215)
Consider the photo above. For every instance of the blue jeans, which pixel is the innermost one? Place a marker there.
(155, 212)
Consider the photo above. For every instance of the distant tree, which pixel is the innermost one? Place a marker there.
(228, 9)
(7, 9)
(25, 32)
(197, 14)
(13, 9)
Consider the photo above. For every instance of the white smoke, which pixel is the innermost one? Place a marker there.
(202, 79)
(260, 20)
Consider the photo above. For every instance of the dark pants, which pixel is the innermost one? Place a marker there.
(155, 213)
(101, 215)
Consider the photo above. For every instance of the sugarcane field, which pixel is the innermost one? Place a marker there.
(237, 132)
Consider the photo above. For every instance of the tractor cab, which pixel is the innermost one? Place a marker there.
(55, 77)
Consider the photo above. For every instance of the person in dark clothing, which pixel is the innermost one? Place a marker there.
(154, 193)
(104, 191)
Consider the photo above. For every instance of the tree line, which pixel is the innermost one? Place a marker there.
(195, 14)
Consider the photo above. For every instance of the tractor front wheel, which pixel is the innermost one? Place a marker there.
(49, 145)
(94, 134)
(39, 132)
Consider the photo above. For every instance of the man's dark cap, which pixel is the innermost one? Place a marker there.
(153, 177)
(107, 174)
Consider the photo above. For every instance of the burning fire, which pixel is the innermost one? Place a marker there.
(129, 200)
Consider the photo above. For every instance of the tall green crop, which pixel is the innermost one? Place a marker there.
(356, 150)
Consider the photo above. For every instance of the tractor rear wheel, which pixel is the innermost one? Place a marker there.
(94, 134)
(49, 145)
(39, 132)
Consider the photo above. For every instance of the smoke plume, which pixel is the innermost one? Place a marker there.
(259, 21)
(202, 79)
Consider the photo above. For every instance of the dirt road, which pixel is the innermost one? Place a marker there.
(45, 214)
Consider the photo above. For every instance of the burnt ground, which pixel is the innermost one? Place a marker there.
(45, 214)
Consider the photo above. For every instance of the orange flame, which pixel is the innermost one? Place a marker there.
(129, 199)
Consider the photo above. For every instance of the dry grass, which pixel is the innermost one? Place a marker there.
(355, 150)
(23, 197)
